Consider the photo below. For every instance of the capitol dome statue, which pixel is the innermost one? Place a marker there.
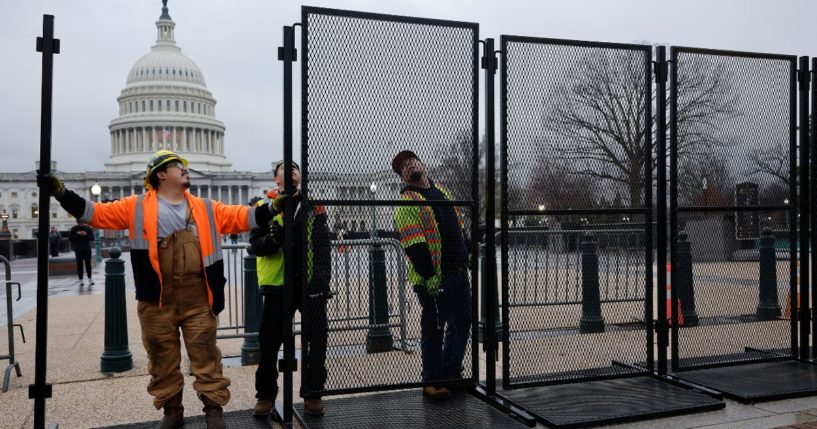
(166, 105)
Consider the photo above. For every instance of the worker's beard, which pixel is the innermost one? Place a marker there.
(186, 185)
(416, 176)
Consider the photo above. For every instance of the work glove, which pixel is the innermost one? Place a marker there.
(277, 233)
(51, 183)
(278, 203)
(433, 285)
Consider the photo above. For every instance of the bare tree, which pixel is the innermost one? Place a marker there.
(706, 183)
(597, 124)
(558, 187)
(455, 169)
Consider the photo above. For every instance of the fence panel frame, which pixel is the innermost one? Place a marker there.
(791, 208)
(472, 203)
(647, 210)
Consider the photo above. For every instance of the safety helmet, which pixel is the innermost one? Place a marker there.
(159, 159)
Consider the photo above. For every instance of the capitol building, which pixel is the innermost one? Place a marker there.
(165, 104)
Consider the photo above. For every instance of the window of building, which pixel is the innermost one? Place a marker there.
(160, 105)
(167, 105)
(35, 211)
(34, 194)
(177, 105)
(53, 215)
(184, 105)
(13, 195)
(143, 105)
(151, 105)
(14, 213)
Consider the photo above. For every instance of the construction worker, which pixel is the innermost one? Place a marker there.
(267, 244)
(178, 271)
(433, 238)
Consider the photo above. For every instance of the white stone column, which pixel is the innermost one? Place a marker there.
(113, 148)
(230, 194)
(128, 143)
(142, 146)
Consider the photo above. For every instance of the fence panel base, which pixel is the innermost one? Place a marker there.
(609, 401)
(407, 408)
(758, 382)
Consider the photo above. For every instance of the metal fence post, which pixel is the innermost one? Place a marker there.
(684, 284)
(378, 338)
(253, 310)
(488, 268)
(768, 308)
(116, 357)
(591, 320)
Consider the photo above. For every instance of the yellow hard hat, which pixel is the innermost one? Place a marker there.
(159, 159)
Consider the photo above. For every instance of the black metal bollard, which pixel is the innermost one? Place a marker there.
(591, 320)
(683, 283)
(488, 268)
(253, 311)
(378, 337)
(768, 307)
(116, 357)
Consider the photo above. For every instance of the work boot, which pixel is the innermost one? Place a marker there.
(174, 413)
(436, 393)
(263, 407)
(213, 414)
(313, 407)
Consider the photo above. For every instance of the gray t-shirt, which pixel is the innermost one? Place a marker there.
(173, 217)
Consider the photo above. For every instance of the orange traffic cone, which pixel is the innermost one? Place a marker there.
(787, 312)
(669, 299)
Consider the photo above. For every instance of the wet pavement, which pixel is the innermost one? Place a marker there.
(24, 271)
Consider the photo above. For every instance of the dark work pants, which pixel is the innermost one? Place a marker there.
(445, 327)
(314, 329)
(83, 257)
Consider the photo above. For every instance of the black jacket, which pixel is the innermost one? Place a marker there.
(81, 242)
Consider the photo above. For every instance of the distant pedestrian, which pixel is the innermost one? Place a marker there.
(54, 242)
(81, 237)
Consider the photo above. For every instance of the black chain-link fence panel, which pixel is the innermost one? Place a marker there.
(576, 137)
(735, 148)
(576, 126)
(376, 85)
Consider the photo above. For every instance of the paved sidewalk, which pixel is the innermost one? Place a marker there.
(83, 397)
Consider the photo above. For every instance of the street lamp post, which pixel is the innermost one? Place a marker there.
(378, 338)
(96, 190)
(705, 186)
(5, 234)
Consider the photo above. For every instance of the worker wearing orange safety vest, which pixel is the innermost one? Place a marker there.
(178, 269)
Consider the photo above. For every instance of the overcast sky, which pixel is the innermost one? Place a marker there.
(234, 43)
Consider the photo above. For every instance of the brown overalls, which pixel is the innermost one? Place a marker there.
(185, 306)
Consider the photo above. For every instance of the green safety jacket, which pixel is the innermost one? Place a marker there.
(417, 224)
(270, 268)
